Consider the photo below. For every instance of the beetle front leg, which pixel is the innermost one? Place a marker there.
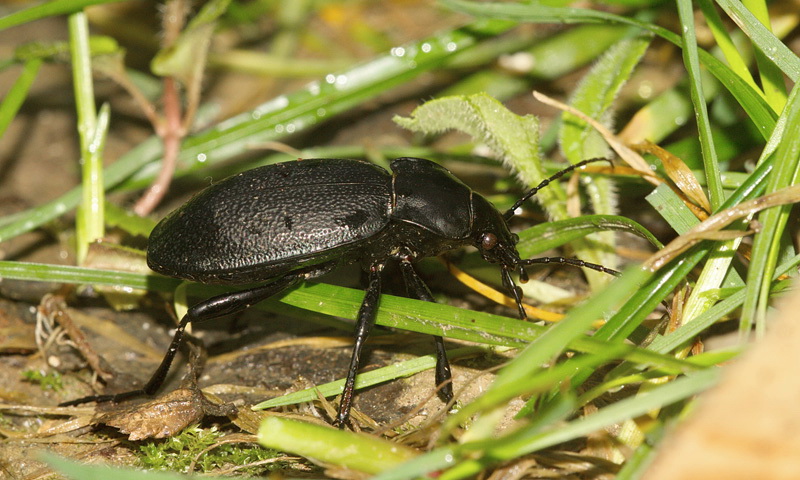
(364, 323)
(515, 291)
(417, 288)
(209, 309)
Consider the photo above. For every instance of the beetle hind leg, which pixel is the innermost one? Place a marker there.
(417, 288)
(209, 309)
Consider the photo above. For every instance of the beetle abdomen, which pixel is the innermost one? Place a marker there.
(271, 220)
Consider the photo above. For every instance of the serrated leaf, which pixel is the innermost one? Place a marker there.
(595, 95)
(513, 138)
(578, 140)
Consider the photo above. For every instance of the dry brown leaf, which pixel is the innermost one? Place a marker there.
(678, 172)
(160, 418)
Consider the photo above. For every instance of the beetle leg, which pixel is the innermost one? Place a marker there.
(417, 288)
(512, 287)
(364, 323)
(212, 308)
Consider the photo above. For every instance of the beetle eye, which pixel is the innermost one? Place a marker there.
(488, 241)
(515, 238)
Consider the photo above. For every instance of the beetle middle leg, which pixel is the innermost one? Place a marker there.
(417, 288)
(364, 323)
(206, 310)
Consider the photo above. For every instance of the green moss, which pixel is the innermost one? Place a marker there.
(178, 452)
(47, 381)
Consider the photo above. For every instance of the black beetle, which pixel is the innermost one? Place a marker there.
(288, 222)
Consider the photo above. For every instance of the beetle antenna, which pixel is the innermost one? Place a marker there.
(510, 212)
(574, 262)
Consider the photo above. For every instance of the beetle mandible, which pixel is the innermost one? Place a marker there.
(284, 223)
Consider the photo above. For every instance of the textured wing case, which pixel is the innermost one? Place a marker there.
(272, 219)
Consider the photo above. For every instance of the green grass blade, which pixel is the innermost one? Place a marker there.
(357, 451)
(48, 9)
(419, 467)
(725, 43)
(769, 73)
(16, 94)
(692, 62)
(721, 256)
(90, 226)
(775, 50)
(766, 243)
(90, 216)
(549, 235)
(367, 379)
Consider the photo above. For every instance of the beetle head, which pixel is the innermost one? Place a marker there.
(497, 244)
(491, 235)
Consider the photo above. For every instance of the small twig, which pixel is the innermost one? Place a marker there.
(53, 306)
(171, 134)
(711, 228)
(171, 130)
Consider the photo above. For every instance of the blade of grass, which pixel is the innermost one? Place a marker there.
(725, 43)
(692, 62)
(48, 9)
(766, 243)
(549, 235)
(89, 219)
(17, 93)
(764, 40)
(367, 379)
(358, 451)
(721, 255)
